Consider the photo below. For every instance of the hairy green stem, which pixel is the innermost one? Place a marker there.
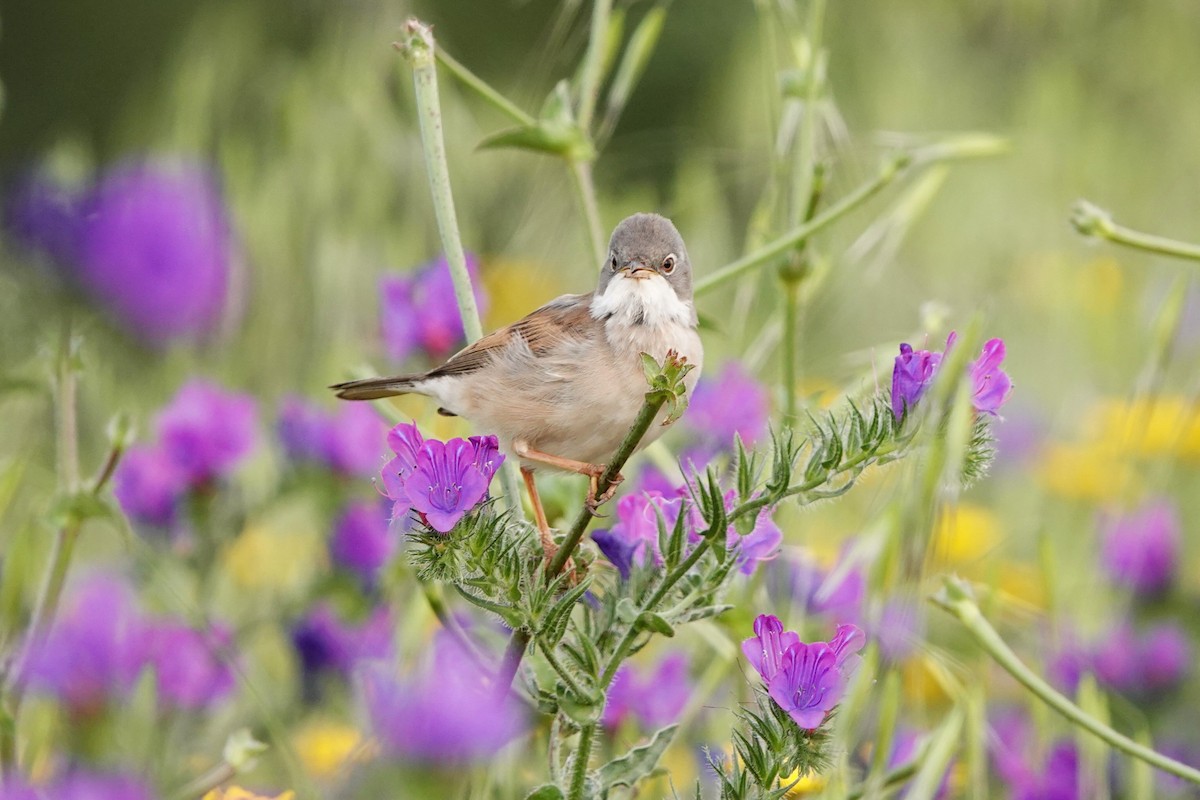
(419, 49)
(1091, 220)
(579, 768)
(583, 752)
(891, 169)
(955, 598)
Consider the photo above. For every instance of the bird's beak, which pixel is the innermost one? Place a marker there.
(637, 269)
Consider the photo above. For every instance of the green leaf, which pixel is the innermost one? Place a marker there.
(633, 62)
(546, 791)
(638, 763)
(543, 137)
(649, 621)
(651, 367)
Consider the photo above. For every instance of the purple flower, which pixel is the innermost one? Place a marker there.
(1167, 656)
(655, 699)
(325, 643)
(190, 667)
(900, 629)
(149, 486)
(732, 403)
(1140, 550)
(1155, 660)
(348, 441)
(914, 371)
(905, 746)
(990, 385)
(446, 712)
(207, 431)
(911, 376)
(362, 541)
(805, 680)
(156, 249)
(446, 483)
(419, 310)
(45, 217)
(95, 650)
(1031, 775)
(634, 538)
(765, 649)
(79, 785)
(405, 441)
(797, 577)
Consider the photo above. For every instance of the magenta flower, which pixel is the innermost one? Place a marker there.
(1140, 550)
(207, 431)
(447, 712)
(419, 312)
(446, 483)
(347, 441)
(1032, 774)
(805, 680)
(156, 249)
(96, 649)
(914, 371)
(655, 698)
(149, 486)
(765, 649)
(442, 481)
(362, 540)
(732, 403)
(79, 784)
(191, 668)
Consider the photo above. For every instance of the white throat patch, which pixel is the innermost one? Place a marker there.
(641, 301)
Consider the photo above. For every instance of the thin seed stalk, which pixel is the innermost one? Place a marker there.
(955, 599)
(419, 49)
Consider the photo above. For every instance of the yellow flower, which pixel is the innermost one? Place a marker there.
(810, 783)
(281, 552)
(1148, 427)
(324, 746)
(1095, 471)
(515, 288)
(965, 534)
(238, 793)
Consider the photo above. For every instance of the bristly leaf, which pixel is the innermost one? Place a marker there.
(547, 791)
(638, 763)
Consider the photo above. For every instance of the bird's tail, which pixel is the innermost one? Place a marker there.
(375, 388)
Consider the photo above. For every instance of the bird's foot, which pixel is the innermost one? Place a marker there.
(595, 497)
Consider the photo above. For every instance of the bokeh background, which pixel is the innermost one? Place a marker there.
(304, 114)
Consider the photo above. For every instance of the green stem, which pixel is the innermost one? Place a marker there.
(419, 49)
(585, 188)
(1091, 220)
(791, 320)
(205, 783)
(474, 82)
(583, 754)
(593, 64)
(891, 169)
(955, 598)
(645, 418)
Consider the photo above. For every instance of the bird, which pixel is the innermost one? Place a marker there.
(562, 386)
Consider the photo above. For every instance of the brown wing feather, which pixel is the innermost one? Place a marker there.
(563, 318)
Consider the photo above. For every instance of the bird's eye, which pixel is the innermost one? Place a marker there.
(612, 261)
(668, 265)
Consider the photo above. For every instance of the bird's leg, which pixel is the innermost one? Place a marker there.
(592, 471)
(549, 547)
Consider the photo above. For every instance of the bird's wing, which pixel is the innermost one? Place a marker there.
(562, 319)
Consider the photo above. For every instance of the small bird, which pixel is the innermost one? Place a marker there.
(561, 387)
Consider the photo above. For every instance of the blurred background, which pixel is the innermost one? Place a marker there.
(295, 122)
